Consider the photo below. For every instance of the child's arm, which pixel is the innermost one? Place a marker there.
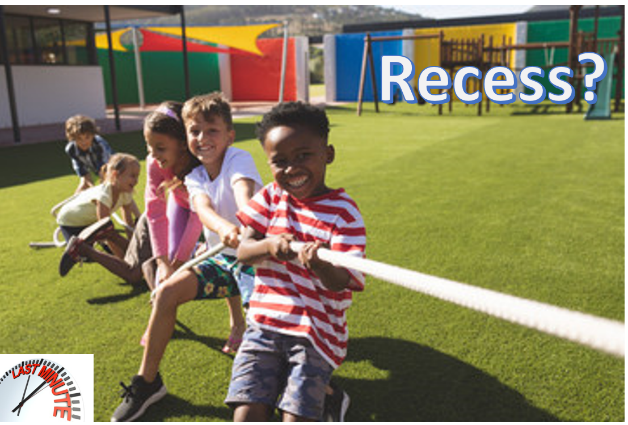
(333, 277)
(129, 213)
(85, 182)
(135, 211)
(254, 247)
(243, 190)
(227, 231)
(102, 210)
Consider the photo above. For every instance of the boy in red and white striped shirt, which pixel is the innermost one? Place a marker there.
(297, 333)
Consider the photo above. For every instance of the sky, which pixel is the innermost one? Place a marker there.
(462, 11)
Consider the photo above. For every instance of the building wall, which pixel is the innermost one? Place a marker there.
(258, 78)
(343, 52)
(348, 53)
(50, 94)
(163, 75)
(554, 31)
(243, 77)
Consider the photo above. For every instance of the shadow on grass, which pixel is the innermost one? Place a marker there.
(555, 109)
(425, 385)
(183, 332)
(31, 163)
(136, 290)
(172, 406)
(244, 131)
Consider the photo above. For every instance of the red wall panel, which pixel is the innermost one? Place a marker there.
(258, 78)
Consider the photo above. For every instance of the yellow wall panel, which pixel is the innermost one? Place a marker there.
(427, 52)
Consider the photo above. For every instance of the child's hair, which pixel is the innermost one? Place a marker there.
(294, 114)
(118, 162)
(80, 124)
(166, 119)
(210, 106)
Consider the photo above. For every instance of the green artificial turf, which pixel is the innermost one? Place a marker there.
(529, 204)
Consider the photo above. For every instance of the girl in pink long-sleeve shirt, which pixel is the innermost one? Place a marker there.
(174, 228)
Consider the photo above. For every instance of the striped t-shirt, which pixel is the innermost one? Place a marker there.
(288, 298)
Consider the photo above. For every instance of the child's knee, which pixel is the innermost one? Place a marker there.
(252, 412)
(176, 290)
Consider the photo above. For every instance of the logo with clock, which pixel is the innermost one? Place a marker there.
(38, 389)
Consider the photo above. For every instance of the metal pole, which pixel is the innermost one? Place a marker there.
(186, 70)
(9, 77)
(138, 69)
(112, 70)
(284, 57)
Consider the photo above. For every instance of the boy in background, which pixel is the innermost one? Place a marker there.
(87, 150)
(297, 330)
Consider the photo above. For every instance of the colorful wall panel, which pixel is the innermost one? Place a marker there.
(162, 73)
(553, 31)
(257, 78)
(349, 50)
(427, 52)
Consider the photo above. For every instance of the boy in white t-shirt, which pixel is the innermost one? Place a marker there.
(224, 182)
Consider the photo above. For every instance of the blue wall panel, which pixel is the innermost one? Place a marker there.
(349, 51)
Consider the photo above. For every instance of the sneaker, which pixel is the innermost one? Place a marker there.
(70, 256)
(336, 404)
(96, 231)
(137, 397)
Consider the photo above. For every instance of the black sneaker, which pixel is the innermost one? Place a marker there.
(96, 231)
(137, 397)
(336, 404)
(70, 256)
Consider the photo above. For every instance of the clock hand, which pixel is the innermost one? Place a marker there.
(29, 378)
(29, 396)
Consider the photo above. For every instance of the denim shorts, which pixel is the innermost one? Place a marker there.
(222, 277)
(279, 370)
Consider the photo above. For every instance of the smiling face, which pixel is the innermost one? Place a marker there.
(126, 180)
(208, 140)
(298, 159)
(169, 152)
(84, 141)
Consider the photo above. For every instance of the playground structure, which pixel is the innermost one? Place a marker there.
(484, 54)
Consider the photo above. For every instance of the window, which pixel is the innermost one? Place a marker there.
(49, 41)
(20, 40)
(77, 47)
(35, 41)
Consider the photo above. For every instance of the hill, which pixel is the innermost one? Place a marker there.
(308, 20)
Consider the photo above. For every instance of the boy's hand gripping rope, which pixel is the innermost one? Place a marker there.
(595, 332)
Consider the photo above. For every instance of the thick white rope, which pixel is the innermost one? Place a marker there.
(595, 332)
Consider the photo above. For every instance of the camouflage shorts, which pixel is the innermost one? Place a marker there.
(269, 365)
(221, 277)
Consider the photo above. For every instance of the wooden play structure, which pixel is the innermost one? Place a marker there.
(483, 53)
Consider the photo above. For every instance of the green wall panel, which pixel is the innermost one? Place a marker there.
(162, 75)
(553, 31)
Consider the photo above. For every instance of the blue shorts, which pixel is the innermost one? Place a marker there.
(269, 365)
(221, 276)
